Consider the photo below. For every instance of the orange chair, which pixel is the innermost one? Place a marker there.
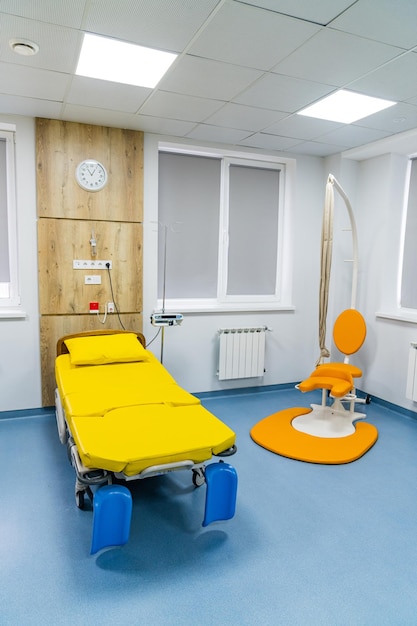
(349, 334)
(337, 378)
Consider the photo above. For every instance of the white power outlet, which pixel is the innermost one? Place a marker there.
(92, 280)
(110, 307)
(88, 264)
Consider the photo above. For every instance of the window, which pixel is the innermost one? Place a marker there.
(221, 231)
(408, 297)
(9, 293)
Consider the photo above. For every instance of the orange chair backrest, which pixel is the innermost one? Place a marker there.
(349, 331)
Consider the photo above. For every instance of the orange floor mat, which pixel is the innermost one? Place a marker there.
(276, 434)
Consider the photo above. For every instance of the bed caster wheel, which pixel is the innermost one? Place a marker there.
(368, 399)
(198, 477)
(79, 499)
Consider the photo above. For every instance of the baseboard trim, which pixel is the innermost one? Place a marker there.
(25, 413)
(218, 393)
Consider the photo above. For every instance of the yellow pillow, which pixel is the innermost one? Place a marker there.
(103, 349)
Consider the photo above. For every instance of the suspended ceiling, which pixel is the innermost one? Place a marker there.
(243, 70)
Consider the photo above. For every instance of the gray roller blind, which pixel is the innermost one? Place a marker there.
(4, 231)
(189, 197)
(253, 230)
(409, 280)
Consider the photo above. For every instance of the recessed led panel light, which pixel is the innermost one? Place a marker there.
(346, 107)
(121, 62)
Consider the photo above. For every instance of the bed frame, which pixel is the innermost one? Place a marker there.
(86, 477)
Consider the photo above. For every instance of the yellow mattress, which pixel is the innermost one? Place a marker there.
(133, 438)
(97, 389)
(125, 417)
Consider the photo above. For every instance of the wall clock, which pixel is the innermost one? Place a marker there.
(91, 175)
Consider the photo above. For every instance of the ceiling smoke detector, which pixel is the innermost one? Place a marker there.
(24, 47)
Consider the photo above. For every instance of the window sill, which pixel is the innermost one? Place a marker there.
(402, 315)
(6, 314)
(226, 308)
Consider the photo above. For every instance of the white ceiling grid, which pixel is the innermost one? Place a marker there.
(244, 68)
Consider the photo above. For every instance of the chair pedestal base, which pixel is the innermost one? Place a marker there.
(327, 421)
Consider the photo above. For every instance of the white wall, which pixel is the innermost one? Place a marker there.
(375, 188)
(384, 357)
(20, 380)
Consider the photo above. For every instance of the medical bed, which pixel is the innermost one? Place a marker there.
(123, 416)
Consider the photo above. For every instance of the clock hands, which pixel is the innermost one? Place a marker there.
(91, 169)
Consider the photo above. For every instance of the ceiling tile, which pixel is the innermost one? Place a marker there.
(105, 95)
(269, 142)
(314, 148)
(350, 58)
(143, 123)
(353, 136)
(412, 101)
(400, 143)
(245, 67)
(319, 11)
(392, 81)
(396, 119)
(64, 13)
(58, 46)
(385, 20)
(91, 115)
(32, 82)
(177, 106)
(208, 79)
(162, 24)
(205, 132)
(32, 107)
(162, 126)
(244, 117)
(302, 127)
(250, 36)
(282, 93)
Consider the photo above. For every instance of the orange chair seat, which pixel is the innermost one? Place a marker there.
(338, 387)
(336, 377)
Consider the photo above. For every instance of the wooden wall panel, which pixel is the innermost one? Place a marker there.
(67, 216)
(55, 326)
(63, 290)
(61, 146)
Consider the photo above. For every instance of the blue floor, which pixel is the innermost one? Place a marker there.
(309, 544)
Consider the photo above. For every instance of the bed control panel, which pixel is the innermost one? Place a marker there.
(166, 319)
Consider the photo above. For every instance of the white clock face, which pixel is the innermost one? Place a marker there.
(91, 175)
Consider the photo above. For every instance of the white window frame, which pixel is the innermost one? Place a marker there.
(391, 306)
(281, 299)
(406, 207)
(9, 292)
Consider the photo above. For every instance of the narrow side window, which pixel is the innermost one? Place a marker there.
(9, 289)
(409, 262)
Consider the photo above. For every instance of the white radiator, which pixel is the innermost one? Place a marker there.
(411, 391)
(242, 352)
